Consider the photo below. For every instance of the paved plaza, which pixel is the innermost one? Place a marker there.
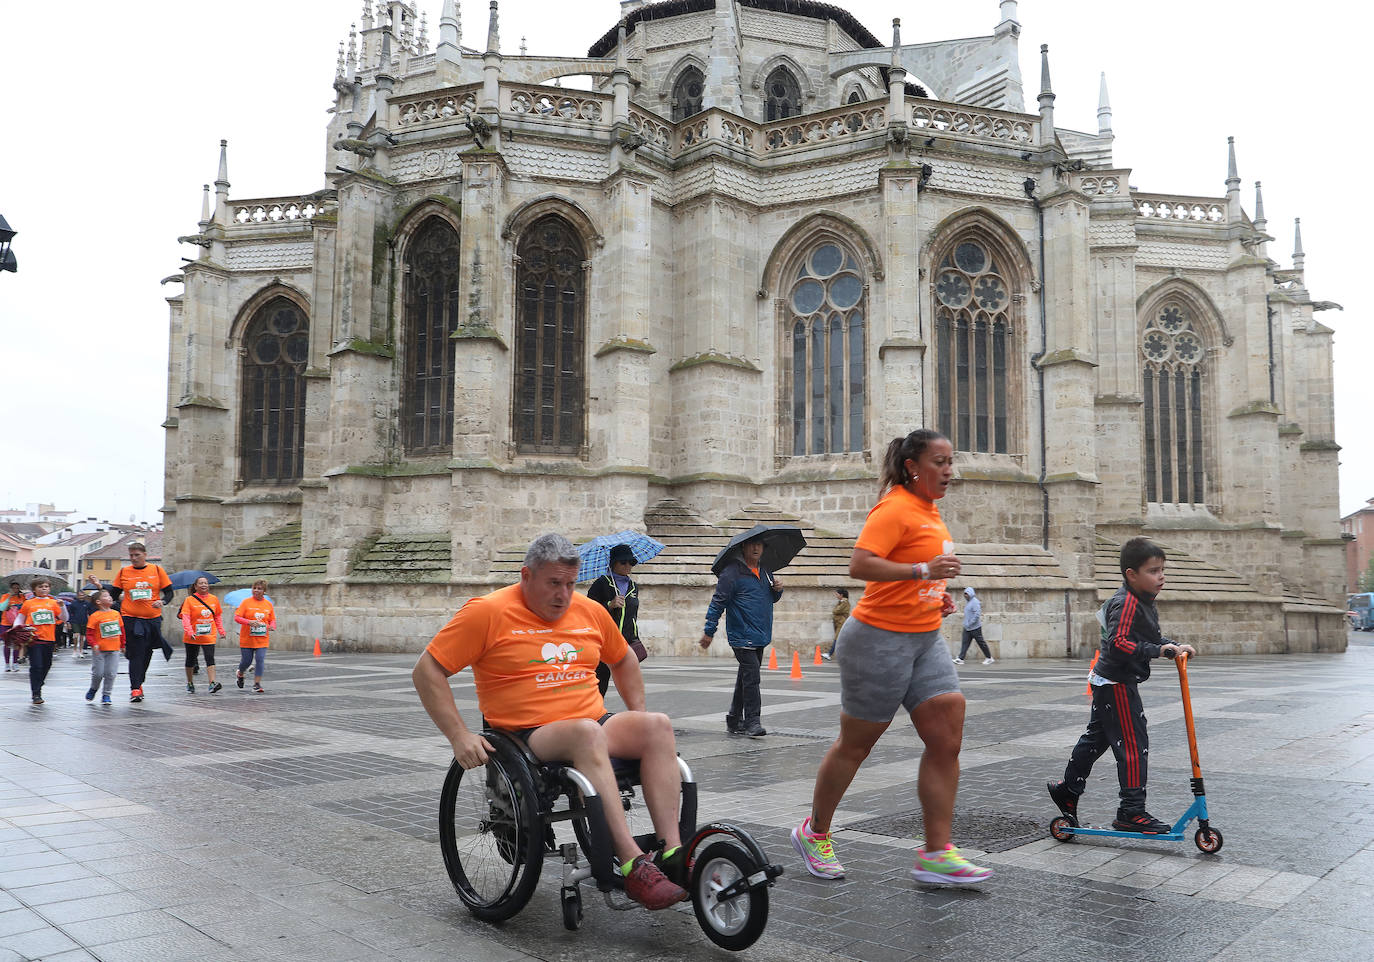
(301, 824)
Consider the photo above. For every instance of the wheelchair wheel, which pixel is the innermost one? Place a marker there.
(735, 921)
(490, 834)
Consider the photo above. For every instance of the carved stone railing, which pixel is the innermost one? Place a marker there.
(978, 123)
(272, 210)
(557, 104)
(1100, 185)
(657, 132)
(440, 107)
(1186, 210)
(842, 123)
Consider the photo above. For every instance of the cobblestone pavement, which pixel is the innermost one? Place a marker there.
(301, 824)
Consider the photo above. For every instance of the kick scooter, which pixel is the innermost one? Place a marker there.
(1065, 828)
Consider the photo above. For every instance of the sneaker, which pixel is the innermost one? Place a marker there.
(816, 851)
(38, 699)
(191, 689)
(732, 725)
(648, 886)
(947, 867)
(216, 688)
(136, 695)
(958, 661)
(1142, 822)
(1065, 800)
(105, 700)
(677, 867)
(238, 678)
(90, 694)
(753, 731)
(258, 688)
(989, 660)
(825, 655)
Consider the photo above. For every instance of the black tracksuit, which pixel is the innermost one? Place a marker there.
(1117, 721)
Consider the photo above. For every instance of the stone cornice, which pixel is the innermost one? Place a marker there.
(900, 344)
(625, 344)
(359, 346)
(197, 499)
(200, 401)
(1126, 400)
(1068, 355)
(479, 333)
(1262, 407)
(713, 357)
(1307, 446)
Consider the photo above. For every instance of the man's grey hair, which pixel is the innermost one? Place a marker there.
(551, 548)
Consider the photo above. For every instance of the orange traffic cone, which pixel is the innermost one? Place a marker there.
(317, 647)
(817, 659)
(796, 667)
(772, 659)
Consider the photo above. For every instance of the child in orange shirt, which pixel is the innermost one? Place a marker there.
(258, 618)
(105, 638)
(44, 613)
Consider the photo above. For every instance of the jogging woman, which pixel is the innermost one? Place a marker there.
(891, 654)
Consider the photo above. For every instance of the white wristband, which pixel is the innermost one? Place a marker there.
(920, 571)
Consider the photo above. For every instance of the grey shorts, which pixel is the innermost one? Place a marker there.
(881, 669)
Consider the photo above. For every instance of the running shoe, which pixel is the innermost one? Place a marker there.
(676, 867)
(1142, 822)
(90, 694)
(947, 867)
(216, 688)
(38, 699)
(816, 851)
(238, 678)
(1065, 800)
(958, 661)
(136, 695)
(191, 689)
(105, 700)
(648, 886)
(989, 660)
(258, 688)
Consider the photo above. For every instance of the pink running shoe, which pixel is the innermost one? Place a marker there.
(947, 867)
(816, 851)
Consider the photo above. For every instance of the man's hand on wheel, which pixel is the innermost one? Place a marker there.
(471, 750)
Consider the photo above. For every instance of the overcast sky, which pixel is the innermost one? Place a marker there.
(114, 114)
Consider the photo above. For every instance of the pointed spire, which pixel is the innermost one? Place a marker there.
(493, 31)
(223, 177)
(1299, 258)
(896, 41)
(205, 205)
(1045, 70)
(339, 66)
(622, 56)
(351, 61)
(1231, 174)
(423, 44)
(1046, 98)
(367, 13)
(450, 31)
(384, 59)
(222, 186)
(1104, 108)
(523, 48)
(1232, 183)
(1260, 222)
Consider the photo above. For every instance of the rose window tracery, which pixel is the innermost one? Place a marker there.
(1173, 384)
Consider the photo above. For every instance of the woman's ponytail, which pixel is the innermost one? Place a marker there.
(894, 473)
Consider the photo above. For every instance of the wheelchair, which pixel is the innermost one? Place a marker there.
(497, 827)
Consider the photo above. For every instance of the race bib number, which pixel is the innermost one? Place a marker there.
(202, 629)
(141, 594)
(43, 617)
(258, 630)
(109, 629)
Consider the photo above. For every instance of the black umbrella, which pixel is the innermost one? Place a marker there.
(25, 576)
(781, 543)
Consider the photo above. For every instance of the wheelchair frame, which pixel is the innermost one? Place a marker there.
(523, 798)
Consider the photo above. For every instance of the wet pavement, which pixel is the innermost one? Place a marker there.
(301, 823)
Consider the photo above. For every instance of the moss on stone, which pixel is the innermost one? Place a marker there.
(625, 344)
(713, 357)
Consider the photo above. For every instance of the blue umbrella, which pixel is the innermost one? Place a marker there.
(186, 579)
(237, 597)
(595, 554)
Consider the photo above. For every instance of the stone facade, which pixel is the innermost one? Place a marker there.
(1108, 362)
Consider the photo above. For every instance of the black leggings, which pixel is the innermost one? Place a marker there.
(191, 651)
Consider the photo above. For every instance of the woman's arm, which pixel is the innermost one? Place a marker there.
(867, 566)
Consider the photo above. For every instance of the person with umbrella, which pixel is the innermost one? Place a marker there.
(892, 655)
(9, 611)
(141, 590)
(746, 592)
(615, 592)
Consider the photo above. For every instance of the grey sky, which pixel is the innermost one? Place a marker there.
(115, 115)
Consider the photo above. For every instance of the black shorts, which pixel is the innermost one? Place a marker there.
(524, 733)
(193, 650)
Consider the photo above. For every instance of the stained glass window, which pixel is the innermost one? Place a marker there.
(782, 94)
(688, 90)
(549, 339)
(1174, 376)
(276, 346)
(432, 312)
(825, 309)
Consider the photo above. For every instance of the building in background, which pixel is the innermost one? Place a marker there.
(1358, 528)
(104, 562)
(709, 289)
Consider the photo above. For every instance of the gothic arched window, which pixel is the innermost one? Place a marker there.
(688, 91)
(782, 94)
(276, 345)
(431, 315)
(1174, 361)
(550, 325)
(826, 308)
(974, 344)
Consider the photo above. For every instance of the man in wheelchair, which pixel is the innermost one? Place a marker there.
(533, 648)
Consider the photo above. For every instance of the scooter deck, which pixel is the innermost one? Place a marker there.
(1117, 833)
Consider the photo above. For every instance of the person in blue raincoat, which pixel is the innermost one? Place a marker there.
(746, 592)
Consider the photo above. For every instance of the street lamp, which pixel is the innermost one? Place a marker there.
(7, 258)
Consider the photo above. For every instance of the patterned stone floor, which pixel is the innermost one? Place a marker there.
(300, 824)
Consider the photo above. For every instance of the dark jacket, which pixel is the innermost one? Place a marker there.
(1132, 637)
(79, 611)
(748, 605)
(603, 591)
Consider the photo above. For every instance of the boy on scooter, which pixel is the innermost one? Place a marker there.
(1117, 720)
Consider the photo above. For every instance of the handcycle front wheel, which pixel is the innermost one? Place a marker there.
(490, 834)
(733, 920)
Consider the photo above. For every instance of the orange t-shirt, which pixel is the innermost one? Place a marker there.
(528, 671)
(902, 527)
(105, 630)
(141, 587)
(43, 614)
(263, 617)
(202, 617)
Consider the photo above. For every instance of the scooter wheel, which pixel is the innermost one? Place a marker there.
(1059, 828)
(737, 921)
(571, 900)
(1207, 840)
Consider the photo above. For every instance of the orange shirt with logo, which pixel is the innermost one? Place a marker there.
(263, 617)
(105, 630)
(200, 619)
(141, 587)
(44, 614)
(902, 527)
(529, 671)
